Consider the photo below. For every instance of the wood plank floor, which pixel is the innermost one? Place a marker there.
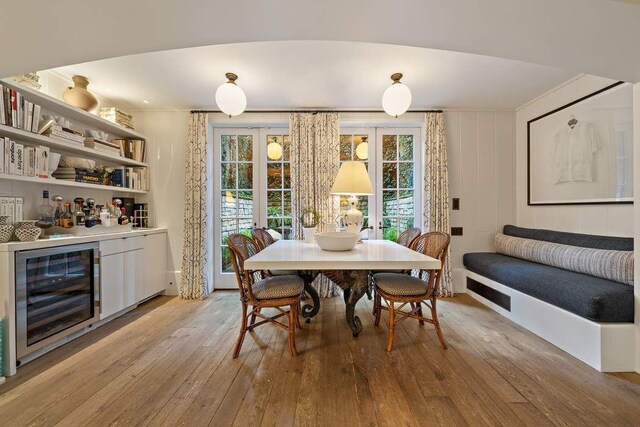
(169, 363)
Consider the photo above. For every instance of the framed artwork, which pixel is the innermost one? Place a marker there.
(582, 153)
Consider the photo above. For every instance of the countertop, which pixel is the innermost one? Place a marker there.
(72, 240)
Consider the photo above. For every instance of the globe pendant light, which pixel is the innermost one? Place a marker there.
(362, 150)
(274, 150)
(230, 99)
(396, 100)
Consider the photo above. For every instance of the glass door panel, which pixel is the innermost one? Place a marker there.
(355, 145)
(277, 157)
(234, 183)
(397, 181)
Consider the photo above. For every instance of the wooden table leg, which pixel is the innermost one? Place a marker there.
(357, 282)
(309, 311)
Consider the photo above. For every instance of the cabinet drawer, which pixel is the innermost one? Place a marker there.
(125, 244)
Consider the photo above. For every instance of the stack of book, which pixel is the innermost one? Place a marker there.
(134, 149)
(102, 146)
(56, 131)
(116, 116)
(12, 207)
(127, 177)
(78, 175)
(17, 112)
(19, 159)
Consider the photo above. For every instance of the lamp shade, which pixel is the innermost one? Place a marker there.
(352, 178)
(230, 98)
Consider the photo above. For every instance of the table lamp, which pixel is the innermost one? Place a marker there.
(353, 180)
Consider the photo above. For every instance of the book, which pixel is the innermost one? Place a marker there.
(19, 213)
(7, 106)
(7, 155)
(19, 159)
(2, 155)
(11, 208)
(30, 161)
(36, 118)
(3, 118)
(14, 108)
(4, 207)
(12, 157)
(42, 160)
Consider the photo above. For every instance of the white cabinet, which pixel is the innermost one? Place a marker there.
(154, 256)
(121, 274)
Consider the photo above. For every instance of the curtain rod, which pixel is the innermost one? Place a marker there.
(317, 111)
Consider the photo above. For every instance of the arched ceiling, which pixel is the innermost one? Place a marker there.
(592, 36)
(316, 74)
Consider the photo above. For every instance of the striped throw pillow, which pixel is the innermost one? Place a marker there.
(606, 264)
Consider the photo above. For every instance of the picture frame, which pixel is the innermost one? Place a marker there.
(582, 153)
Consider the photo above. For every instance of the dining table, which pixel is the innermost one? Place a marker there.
(350, 270)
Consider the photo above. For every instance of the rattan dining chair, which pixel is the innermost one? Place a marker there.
(406, 239)
(264, 239)
(267, 292)
(407, 290)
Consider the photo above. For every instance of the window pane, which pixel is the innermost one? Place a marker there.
(406, 175)
(274, 223)
(245, 226)
(228, 227)
(404, 224)
(245, 204)
(389, 203)
(274, 139)
(363, 204)
(228, 151)
(274, 204)
(406, 147)
(245, 148)
(227, 266)
(406, 203)
(228, 176)
(389, 147)
(391, 232)
(228, 205)
(286, 168)
(286, 148)
(345, 147)
(287, 203)
(245, 175)
(274, 175)
(389, 175)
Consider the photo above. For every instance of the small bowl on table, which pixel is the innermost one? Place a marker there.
(336, 241)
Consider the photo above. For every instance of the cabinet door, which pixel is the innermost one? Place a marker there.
(155, 262)
(133, 277)
(112, 284)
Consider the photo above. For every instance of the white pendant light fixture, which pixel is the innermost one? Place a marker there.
(396, 100)
(274, 150)
(362, 150)
(230, 99)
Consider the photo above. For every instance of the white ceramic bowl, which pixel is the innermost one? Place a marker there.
(337, 241)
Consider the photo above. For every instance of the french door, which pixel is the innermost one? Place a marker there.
(252, 187)
(393, 160)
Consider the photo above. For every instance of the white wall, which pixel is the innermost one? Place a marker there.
(481, 173)
(636, 213)
(612, 220)
(166, 132)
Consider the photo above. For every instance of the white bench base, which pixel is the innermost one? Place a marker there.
(607, 347)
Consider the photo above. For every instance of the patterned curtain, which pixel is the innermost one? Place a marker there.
(315, 160)
(194, 284)
(436, 188)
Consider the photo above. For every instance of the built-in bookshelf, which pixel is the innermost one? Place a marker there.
(82, 120)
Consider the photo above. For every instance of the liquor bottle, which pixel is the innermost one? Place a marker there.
(66, 220)
(57, 215)
(123, 220)
(78, 214)
(45, 212)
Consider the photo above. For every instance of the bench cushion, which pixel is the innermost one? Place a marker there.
(572, 239)
(587, 296)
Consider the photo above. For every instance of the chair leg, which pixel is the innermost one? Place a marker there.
(392, 325)
(420, 313)
(253, 315)
(292, 330)
(243, 331)
(377, 307)
(436, 323)
(298, 311)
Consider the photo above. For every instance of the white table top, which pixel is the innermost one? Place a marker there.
(368, 255)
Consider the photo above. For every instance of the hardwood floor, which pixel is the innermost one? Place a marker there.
(169, 363)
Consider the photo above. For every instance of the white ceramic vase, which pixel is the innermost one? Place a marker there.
(309, 234)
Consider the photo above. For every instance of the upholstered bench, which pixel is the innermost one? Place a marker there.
(574, 290)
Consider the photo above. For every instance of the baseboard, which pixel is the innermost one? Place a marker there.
(607, 347)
